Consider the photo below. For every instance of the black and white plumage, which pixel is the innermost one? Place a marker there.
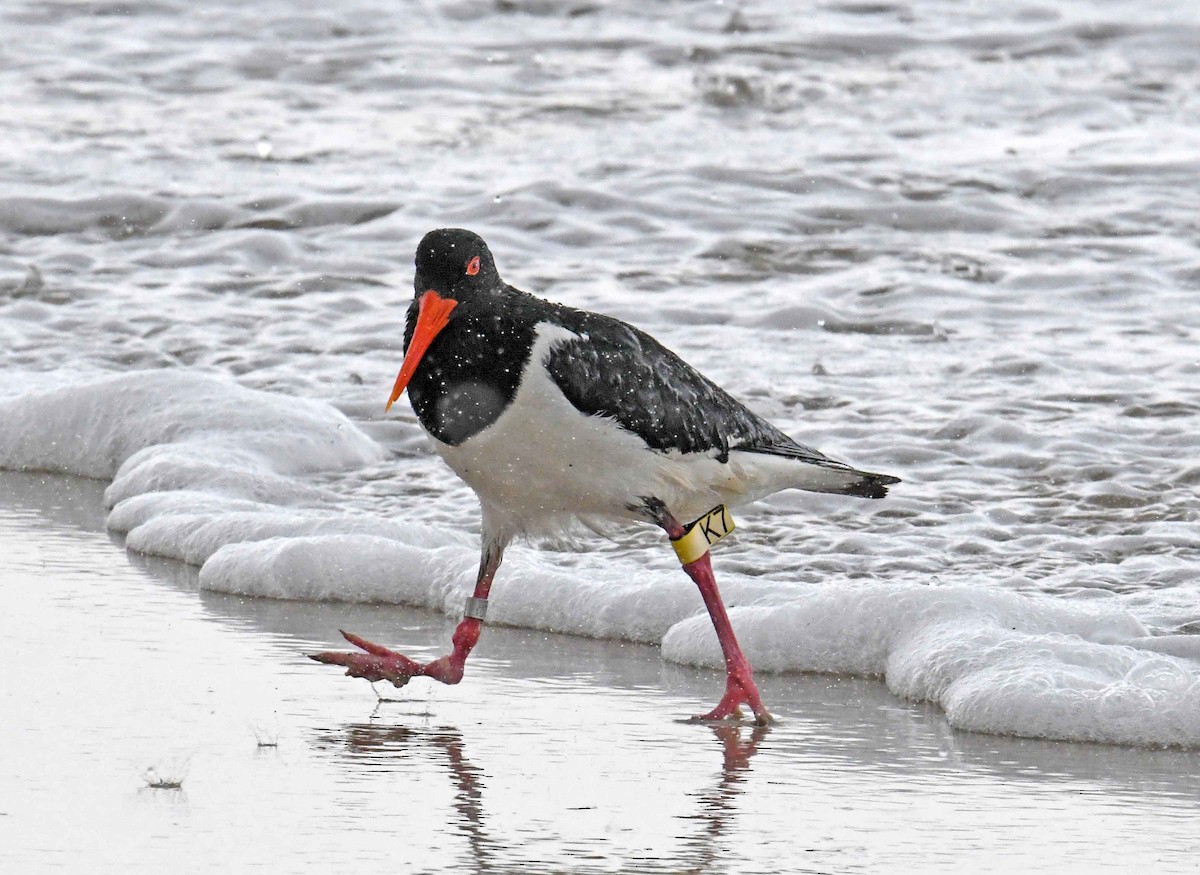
(551, 413)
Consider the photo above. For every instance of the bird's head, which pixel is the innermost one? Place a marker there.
(453, 265)
(456, 264)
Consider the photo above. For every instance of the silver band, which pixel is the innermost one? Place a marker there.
(476, 609)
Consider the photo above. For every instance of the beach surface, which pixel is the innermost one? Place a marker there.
(556, 753)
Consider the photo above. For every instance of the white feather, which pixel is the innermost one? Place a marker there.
(543, 463)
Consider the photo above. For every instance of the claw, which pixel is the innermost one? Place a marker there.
(376, 664)
(369, 646)
(739, 690)
(330, 657)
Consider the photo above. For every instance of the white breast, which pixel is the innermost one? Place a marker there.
(543, 460)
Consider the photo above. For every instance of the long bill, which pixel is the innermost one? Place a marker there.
(433, 314)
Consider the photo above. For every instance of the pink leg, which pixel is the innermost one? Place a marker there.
(739, 677)
(378, 663)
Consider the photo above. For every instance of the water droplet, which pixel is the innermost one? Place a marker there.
(263, 147)
(497, 199)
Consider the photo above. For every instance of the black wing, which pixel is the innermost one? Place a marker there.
(615, 370)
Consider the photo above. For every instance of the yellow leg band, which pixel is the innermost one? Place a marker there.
(702, 534)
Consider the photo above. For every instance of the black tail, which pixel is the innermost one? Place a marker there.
(871, 485)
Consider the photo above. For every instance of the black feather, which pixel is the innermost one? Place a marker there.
(473, 369)
(618, 371)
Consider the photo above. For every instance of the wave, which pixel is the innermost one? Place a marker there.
(227, 478)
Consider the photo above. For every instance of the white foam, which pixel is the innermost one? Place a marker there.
(354, 568)
(118, 425)
(133, 512)
(220, 476)
(196, 461)
(417, 566)
(995, 661)
(194, 537)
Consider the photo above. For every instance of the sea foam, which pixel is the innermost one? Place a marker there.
(175, 428)
(995, 661)
(227, 478)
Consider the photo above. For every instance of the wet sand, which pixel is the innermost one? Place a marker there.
(554, 754)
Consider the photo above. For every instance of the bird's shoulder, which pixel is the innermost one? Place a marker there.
(607, 367)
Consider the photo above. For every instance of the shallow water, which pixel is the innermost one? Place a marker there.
(953, 243)
(556, 753)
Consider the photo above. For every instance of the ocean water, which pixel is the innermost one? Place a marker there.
(954, 243)
(139, 678)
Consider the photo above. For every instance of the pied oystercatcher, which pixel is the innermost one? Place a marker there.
(551, 413)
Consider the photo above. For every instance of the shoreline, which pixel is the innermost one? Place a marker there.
(557, 752)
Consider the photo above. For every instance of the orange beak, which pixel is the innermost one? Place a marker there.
(433, 314)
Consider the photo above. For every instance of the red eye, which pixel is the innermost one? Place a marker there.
(473, 266)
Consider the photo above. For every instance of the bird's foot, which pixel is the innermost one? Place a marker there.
(739, 690)
(378, 663)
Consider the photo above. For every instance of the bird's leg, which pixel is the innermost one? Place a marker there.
(378, 663)
(739, 677)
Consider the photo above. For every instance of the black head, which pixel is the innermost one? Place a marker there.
(456, 264)
(454, 267)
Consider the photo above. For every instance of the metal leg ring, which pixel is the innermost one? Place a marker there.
(476, 609)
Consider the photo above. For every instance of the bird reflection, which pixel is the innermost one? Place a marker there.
(718, 805)
(376, 744)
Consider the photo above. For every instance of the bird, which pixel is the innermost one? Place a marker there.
(552, 414)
